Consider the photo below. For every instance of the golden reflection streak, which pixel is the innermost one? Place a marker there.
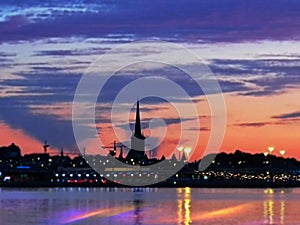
(187, 191)
(269, 207)
(186, 204)
(187, 220)
(265, 212)
(104, 212)
(179, 211)
(271, 211)
(282, 211)
(208, 215)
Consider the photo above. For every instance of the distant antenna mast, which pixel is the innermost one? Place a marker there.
(46, 146)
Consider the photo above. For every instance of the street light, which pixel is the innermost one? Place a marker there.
(271, 149)
(282, 152)
(180, 149)
(187, 151)
(266, 161)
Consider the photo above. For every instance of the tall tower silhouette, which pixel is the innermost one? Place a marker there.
(137, 128)
(137, 151)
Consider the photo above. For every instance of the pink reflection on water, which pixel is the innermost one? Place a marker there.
(225, 212)
(187, 206)
(99, 213)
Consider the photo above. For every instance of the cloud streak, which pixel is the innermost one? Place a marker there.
(75, 52)
(254, 124)
(196, 21)
(293, 115)
(46, 47)
(259, 77)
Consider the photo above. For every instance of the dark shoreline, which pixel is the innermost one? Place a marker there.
(234, 170)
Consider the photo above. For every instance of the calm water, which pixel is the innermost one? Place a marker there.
(72, 206)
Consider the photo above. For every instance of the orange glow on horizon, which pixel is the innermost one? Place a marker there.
(26, 143)
(252, 127)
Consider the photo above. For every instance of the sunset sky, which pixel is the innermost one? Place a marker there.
(251, 47)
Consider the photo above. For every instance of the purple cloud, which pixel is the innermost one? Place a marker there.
(293, 115)
(197, 129)
(284, 73)
(258, 124)
(204, 21)
(192, 21)
(254, 124)
(76, 52)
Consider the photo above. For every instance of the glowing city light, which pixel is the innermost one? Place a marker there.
(282, 152)
(187, 151)
(271, 149)
(180, 148)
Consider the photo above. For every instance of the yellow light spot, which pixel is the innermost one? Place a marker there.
(271, 149)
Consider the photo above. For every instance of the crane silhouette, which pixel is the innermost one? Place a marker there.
(46, 146)
(113, 152)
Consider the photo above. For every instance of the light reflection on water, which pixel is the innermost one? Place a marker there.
(184, 205)
(145, 206)
(274, 210)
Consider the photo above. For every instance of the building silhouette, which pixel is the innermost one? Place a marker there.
(137, 154)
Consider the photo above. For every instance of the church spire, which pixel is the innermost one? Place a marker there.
(137, 152)
(138, 129)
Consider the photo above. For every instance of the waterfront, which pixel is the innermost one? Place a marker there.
(145, 206)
